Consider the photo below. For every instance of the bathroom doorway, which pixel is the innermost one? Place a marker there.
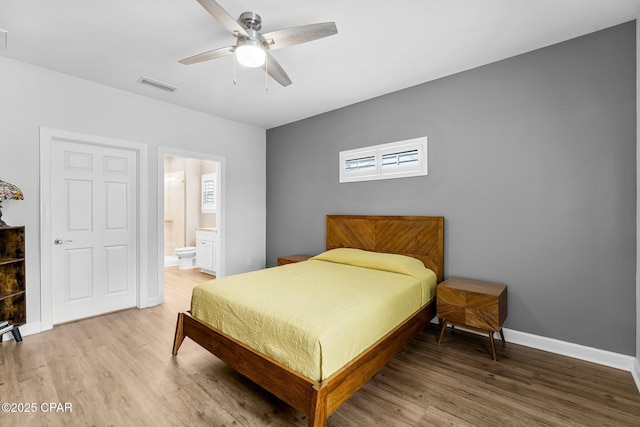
(191, 211)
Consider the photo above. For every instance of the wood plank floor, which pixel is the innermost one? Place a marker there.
(118, 370)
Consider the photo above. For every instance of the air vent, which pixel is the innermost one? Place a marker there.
(3, 39)
(157, 84)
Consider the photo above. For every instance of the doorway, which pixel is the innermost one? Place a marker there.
(191, 214)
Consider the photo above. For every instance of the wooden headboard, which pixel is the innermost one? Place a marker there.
(420, 237)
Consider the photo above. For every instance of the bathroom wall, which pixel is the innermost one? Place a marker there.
(173, 211)
(191, 209)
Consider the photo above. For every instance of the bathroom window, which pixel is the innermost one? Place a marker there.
(209, 182)
(393, 160)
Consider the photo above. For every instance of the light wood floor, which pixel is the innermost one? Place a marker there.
(118, 370)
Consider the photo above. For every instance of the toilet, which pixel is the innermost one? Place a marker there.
(187, 257)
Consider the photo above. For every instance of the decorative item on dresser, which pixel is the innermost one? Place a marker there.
(472, 304)
(8, 192)
(12, 282)
(291, 259)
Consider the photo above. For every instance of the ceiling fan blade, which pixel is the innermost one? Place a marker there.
(275, 70)
(297, 35)
(206, 56)
(223, 17)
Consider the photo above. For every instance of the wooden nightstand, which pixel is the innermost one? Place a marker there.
(292, 259)
(472, 304)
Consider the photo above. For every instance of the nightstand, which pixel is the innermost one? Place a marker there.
(472, 304)
(291, 259)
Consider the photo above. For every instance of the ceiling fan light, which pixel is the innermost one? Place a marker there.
(250, 55)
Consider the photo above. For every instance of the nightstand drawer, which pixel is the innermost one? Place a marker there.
(483, 319)
(452, 312)
(473, 303)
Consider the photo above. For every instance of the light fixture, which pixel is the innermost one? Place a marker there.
(8, 192)
(250, 53)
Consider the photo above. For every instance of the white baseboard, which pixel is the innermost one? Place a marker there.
(577, 351)
(152, 302)
(635, 371)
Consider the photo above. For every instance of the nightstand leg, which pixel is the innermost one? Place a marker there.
(504, 342)
(493, 346)
(444, 327)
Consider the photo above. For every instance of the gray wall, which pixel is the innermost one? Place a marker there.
(532, 163)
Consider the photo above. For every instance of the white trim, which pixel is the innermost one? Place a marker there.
(564, 348)
(46, 292)
(47, 136)
(635, 372)
(577, 351)
(220, 211)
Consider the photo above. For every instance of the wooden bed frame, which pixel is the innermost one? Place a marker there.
(416, 236)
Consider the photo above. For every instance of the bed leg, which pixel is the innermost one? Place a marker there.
(318, 412)
(179, 337)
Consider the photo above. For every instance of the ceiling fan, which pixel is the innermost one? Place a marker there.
(252, 48)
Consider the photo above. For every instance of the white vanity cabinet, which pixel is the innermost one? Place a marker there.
(206, 250)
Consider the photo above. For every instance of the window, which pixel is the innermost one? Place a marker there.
(393, 160)
(209, 193)
(397, 159)
(354, 165)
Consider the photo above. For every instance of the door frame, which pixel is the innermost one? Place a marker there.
(47, 137)
(220, 214)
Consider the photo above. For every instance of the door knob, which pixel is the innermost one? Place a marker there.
(60, 241)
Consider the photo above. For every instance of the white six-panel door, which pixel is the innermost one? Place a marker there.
(93, 229)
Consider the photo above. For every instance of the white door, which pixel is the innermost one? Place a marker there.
(93, 229)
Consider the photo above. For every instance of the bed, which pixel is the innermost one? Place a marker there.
(318, 394)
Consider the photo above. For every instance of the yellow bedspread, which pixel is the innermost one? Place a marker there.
(317, 315)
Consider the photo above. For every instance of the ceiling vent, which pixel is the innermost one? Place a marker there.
(3, 39)
(158, 85)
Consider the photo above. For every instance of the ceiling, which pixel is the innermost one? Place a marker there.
(381, 46)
